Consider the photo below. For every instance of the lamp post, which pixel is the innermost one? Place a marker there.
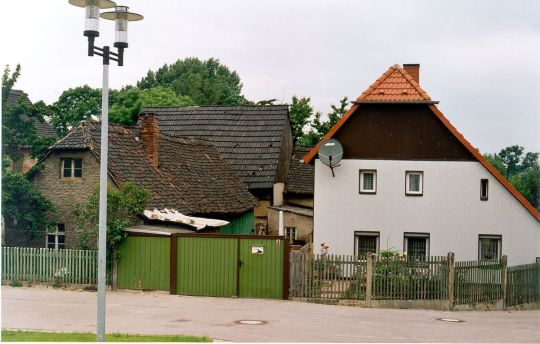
(121, 16)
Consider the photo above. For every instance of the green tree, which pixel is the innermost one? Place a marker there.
(319, 128)
(511, 157)
(528, 184)
(18, 129)
(75, 105)
(205, 82)
(521, 170)
(300, 111)
(127, 104)
(23, 207)
(123, 206)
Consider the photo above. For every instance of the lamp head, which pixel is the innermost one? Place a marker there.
(121, 16)
(91, 25)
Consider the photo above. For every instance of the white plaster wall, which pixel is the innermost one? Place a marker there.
(450, 209)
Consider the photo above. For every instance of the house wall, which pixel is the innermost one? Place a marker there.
(450, 209)
(242, 224)
(66, 193)
(303, 224)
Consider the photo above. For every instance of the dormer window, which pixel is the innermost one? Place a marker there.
(71, 168)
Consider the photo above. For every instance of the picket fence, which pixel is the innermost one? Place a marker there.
(523, 284)
(347, 277)
(49, 265)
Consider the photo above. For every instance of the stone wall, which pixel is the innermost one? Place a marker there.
(66, 193)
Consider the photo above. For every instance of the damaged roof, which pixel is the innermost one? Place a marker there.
(191, 176)
(248, 137)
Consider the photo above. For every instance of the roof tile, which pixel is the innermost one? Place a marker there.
(248, 137)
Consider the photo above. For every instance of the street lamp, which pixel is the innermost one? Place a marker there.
(121, 16)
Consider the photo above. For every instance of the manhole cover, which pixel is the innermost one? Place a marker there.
(450, 320)
(251, 322)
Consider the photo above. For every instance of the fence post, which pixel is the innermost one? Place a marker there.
(369, 278)
(504, 279)
(451, 277)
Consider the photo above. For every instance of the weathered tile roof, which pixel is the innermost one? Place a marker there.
(248, 137)
(42, 127)
(191, 176)
(301, 177)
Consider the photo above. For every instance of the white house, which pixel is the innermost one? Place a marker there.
(409, 181)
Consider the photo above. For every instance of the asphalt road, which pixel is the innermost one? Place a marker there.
(287, 321)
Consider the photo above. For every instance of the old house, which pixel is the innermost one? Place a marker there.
(255, 140)
(409, 181)
(185, 174)
(295, 200)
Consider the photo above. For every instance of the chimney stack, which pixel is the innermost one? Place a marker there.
(149, 133)
(413, 69)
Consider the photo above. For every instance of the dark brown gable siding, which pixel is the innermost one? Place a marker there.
(399, 132)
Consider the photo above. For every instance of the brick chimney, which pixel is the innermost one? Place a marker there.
(413, 69)
(149, 133)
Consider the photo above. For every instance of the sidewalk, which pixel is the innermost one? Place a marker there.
(288, 321)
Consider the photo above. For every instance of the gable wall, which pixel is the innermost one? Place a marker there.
(65, 194)
(400, 132)
(450, 209)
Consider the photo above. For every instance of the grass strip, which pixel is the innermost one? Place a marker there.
(38, 336)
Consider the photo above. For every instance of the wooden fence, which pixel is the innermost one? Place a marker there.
(347, 277)
(327, 276)
(523, 284)
(478, 281)
(399, 278)
(49, 265)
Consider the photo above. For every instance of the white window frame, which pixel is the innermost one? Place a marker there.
(359, 234)
(368, 191)
(408, 235)
(408, 190)
(490, 237)
(62, 164)
(56, 235)
(288, 230)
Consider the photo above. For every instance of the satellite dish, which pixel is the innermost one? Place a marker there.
(331, 153)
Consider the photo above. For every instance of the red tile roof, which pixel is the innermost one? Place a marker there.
(396, 85)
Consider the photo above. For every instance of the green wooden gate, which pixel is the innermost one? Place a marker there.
(144, 263)
(261, 268)
(206, 266)
(217, 265)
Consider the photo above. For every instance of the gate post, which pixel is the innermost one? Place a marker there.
(369, 278)
(286, 267)
(451, 277)
(172, 263)
(504, 280)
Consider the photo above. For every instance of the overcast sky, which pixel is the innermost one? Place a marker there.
(480, 59)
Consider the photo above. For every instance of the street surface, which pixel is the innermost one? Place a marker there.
(134, 312)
